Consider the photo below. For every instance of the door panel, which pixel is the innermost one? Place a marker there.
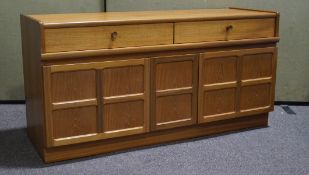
(174, 91)
(123, 115)
(173, 108)
(93, 101)
(219, 70)
(257, 65)
(74, 85)
(125, 98)
(258, 80)
(218, 76)
(173, 75)
(70, 104)
(74, 122)
(255, 96)
(123, 80)
(219, 102)
(236, 83)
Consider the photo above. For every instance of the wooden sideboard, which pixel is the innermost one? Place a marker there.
(102, 82)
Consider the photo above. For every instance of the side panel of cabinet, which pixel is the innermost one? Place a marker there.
(92, 101)
(173, 91)
(236, 83)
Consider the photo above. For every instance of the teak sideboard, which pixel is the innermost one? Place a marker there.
(102, 82)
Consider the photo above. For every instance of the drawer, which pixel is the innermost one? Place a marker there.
(107, 37)
(205, 31)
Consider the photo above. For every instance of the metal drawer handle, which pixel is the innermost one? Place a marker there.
(114, 36)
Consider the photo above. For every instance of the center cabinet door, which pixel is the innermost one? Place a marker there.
(173, 91)
(93, 101)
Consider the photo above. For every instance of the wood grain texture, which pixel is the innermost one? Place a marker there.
(73, 55)
(75, 85)
(252, 9)
(91, 38)
(63, 95)
(123, 80)
(257, 66)
(104, 86)
(105, 146)
(219, 101)
(74, 104)
(219, 70)
(274, 75)
(174, 91)
(74, 122)
(116, 18)
(159, 53)
(100, 64)
(191, 32)
(258, 80)
(173, 108)
(33, 82)
(252, 70)
(123, 98)
(125, 95)
(218, 85)
(117, 116)
(48, 106)
(255, 96)
(174, 75)
(114, 81)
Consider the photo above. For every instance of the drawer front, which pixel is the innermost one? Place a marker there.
(107, 37)
(205, 31)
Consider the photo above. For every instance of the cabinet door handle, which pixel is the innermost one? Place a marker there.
(229, 28)
(114, 36)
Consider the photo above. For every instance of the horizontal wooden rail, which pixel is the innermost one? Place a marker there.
(118, 51)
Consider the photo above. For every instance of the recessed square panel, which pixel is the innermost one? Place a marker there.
(219, 101)
(257, 66)
(75, 85)
(123, 80)
(175, 74)
(219, 70)
(173, 108)
(123, 115)
(74, 122)
(255, 96)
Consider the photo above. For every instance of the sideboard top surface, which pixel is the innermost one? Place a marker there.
(111, 18)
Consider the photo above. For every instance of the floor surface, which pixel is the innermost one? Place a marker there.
(280, 149)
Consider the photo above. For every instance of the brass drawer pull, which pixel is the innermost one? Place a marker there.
(229, 28)
(114, 36)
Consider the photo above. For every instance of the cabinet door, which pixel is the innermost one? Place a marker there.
(125, 95)
(218, 81)
(71, 104)
(174, 91)
(92, 101)
(257, 81)
(236, 83)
